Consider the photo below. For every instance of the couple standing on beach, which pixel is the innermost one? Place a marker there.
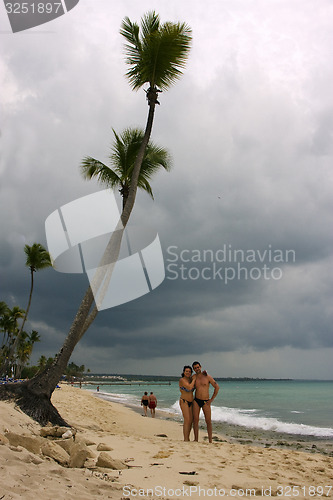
(192, 404)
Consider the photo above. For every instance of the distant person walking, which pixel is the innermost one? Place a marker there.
(144, 403)
(202, 399)
(152, 403)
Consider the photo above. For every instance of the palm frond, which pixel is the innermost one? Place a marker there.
(92, 168)
(155, 158)
(165, 56)
(37, 257)
(158, 54)
(130, 31)
(145, 186)
(122, 159)
(125, 150)
(150, 24)
(118, 155)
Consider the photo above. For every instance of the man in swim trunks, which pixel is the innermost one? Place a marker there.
(202, 399)
(152, 403)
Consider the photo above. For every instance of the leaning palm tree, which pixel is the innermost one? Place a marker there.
(122, 159)
(156, 56)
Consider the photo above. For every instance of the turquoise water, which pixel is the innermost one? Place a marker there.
(291, 406)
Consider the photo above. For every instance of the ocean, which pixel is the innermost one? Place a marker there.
(294, 407)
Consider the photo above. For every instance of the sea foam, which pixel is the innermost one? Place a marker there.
(249, 418)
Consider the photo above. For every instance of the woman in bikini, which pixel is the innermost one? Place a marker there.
(186, 387)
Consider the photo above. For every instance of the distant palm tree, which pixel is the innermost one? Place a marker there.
(3, 308)
(42, 362)
(4, 314)
(9, 326)
(122, 158)
(24, 350)
(37, 258)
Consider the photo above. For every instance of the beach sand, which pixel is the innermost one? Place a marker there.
(160, 464)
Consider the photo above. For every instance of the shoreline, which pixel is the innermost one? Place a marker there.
(225, 432)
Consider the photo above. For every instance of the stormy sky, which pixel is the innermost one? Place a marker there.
(245, 215)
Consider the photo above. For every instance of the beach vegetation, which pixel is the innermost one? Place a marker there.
(17, 345)
(43, 362)
(24, 350)
(74, 371)
(156, 54)
(9, 327)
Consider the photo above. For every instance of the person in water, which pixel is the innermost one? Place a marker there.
(144, 403)
(186, 387)
(202, 399)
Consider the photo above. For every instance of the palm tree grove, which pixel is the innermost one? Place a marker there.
(156, 54)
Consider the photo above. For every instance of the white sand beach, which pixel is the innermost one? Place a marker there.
(156, 462)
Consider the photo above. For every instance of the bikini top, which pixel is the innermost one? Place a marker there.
(186, 390)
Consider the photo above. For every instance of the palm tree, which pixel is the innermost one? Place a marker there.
(3, 320)
(37, 258)
(156, 57)
(42, 362)
(24, 350)
(122, 159)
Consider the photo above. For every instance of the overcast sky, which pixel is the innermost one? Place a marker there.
(249, 127)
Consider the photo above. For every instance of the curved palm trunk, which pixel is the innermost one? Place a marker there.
(47, 380)
(130, 195)
(137, 165)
